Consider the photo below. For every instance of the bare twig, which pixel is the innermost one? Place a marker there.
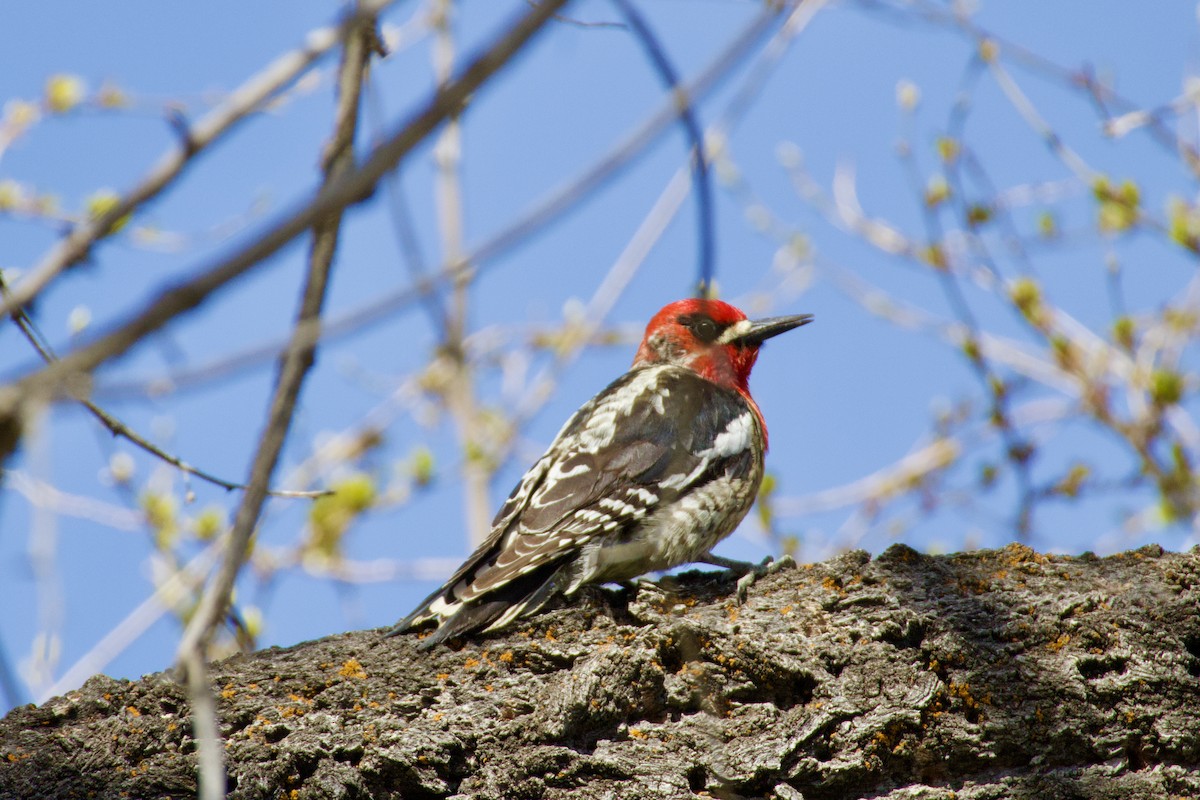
(45, 495)
(350, 188)
(400, 213)
(296, 361)
(205, 729)
(545, 212)
(338, 158)
(118, 428)
(166, 595)
(249, 98)
(459, 389)
(890, 481)
(1024, 106)
(607, 167)
(705, 224)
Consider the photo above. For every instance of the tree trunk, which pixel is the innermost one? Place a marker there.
(995, 674)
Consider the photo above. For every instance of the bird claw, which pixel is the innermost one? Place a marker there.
(768, 566)
(661, 588)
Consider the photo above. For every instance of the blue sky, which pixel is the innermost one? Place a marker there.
(844, 397)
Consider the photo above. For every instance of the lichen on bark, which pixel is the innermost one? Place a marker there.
(994, 674)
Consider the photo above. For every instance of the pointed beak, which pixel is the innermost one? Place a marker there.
(763, 329)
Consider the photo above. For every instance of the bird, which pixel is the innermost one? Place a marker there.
(651, 473)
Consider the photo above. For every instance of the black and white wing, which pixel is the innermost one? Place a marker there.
(657, 443)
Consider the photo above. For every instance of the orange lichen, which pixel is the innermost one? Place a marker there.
(1059, 643)
(353, 669)
(1016, 554)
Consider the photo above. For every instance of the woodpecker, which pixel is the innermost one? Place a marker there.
(649, 474)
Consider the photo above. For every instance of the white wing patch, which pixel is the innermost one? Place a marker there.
(735, 438)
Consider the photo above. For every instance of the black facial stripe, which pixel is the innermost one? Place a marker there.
(702, 326)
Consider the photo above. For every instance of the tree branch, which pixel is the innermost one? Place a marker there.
(993, 675)
(298, 357)
(350, 188)
(359, 45)
(245, 100)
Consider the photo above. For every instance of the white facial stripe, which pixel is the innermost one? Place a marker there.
(740, 328)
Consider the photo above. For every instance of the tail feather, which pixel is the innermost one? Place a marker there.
(492, 612)
(427, 611)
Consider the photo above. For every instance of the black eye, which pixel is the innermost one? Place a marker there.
(702, 327)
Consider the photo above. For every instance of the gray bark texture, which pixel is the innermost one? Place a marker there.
(981, 676)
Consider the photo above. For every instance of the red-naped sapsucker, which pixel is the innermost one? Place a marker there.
(649, 474)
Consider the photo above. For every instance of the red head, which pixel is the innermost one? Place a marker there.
(712, 338)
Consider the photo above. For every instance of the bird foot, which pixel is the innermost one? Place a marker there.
(661, 588)
(752, 572)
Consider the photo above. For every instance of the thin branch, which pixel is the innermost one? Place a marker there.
(247, 99)
(1024, 106)
(351, 188)
(338, 158)
(890, 481)
(545, 212)
(136, 622)
(608, 166)
(400, 212)
(294, 366)
(705, 224)
(459, 389)
(346, 323)
(1101, 95)
(1018, 450)
(116, 427)
(205, 729)
(41, 494)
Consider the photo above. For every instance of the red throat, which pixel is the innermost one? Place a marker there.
(728, 365)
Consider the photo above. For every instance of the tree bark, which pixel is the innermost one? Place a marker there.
(987, 675)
